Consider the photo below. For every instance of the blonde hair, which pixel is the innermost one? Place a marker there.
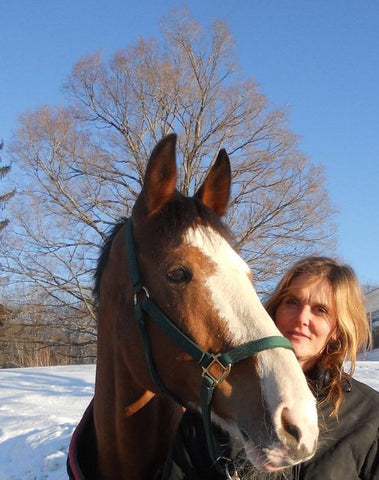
(353, 330)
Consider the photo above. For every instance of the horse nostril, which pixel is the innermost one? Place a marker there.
(289, 427)
(293, 431)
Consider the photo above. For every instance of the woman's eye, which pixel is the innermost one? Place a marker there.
(179, 275)
(321, 310)
(291, 301)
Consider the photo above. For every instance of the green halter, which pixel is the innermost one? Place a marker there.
(143, 305)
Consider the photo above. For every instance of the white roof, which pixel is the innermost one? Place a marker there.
(372, 299)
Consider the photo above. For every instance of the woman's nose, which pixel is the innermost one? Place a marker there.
(304, 315)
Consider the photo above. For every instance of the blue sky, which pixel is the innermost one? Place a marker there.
(319, 58)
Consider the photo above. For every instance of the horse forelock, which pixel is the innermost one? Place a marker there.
(183, 213)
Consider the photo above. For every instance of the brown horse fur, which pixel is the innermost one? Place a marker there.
(134, 422)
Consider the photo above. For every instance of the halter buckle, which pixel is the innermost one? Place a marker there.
(219, 370)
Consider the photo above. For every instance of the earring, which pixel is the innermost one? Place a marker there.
(333, 346)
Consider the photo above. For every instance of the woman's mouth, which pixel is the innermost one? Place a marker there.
(298, 335)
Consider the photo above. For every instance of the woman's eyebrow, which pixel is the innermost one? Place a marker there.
(292, 295)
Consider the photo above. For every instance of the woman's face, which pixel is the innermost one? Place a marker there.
(307, 317)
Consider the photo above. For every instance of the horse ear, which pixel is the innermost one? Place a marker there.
(160, 177)
(215, 190)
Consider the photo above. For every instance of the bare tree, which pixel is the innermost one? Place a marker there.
(7, 195)
(82, 164)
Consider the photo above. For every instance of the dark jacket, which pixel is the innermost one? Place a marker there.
(348, 447)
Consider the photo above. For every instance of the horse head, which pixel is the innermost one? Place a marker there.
(192, 274)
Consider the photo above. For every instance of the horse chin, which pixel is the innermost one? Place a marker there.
(270, 459)
(245, 451)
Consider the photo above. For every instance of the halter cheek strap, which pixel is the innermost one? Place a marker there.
(215, 367)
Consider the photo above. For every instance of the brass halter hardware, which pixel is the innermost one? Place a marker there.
(225, 370)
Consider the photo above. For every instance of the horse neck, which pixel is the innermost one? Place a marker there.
(134, 427)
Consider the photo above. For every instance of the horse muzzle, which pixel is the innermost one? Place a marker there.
(278, 456)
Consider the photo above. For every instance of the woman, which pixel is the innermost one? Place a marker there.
(319, 307)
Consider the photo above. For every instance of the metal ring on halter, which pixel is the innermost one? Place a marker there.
(231, 476)
(146, 291)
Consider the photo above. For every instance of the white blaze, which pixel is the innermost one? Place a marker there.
(230, 289)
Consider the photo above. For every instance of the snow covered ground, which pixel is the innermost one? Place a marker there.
(39, 408)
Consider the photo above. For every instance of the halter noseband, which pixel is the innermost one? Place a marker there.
(221, 362)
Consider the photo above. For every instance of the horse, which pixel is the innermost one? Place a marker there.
(181, 326)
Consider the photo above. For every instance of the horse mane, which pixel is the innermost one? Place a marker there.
(176, 217)
(103, 257)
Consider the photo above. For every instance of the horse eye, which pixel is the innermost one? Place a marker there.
(179, 275)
